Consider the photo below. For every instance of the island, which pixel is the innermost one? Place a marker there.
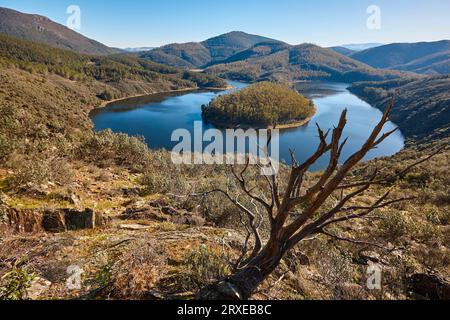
(260, 105)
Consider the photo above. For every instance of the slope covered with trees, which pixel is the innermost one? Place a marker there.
(260, 105)
(199, 54)
(422, 106)
(284, 63)
(48, 92)
(40, 29)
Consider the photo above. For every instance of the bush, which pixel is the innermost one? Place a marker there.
(40, 169)
(106, 148)
(6, 148)
(15, 284)
(137, 271)
(204, 265)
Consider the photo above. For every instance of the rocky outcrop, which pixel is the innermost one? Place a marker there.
(70, 220)
(59, 220)
(429, 286)
(161, 212)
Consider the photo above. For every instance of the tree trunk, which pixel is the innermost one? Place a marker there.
(242, 284)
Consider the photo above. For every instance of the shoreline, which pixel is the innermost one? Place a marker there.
(104, 104)
(286, 126)
(296, 124)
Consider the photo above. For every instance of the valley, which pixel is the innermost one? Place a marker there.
(87, 178)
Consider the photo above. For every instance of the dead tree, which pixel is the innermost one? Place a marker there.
(295, 213)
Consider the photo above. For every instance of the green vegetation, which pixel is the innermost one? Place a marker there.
(14, 284)
(36, 58)
(199, 54)
(285, 63)
(422, 106)
(262, 105)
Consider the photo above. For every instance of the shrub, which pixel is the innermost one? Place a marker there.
(6, 148)
(40, 169)
(15, 284)
(106, 148)
(137, 271)
(204, 265)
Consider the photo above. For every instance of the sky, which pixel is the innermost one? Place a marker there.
(150, 23)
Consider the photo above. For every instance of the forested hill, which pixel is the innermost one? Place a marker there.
(50, 91)
(200, 54)
(259, 105)
(285, 63)
(40, 29)
(114, 69)
(422, 106)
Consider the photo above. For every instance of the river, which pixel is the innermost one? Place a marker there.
(155, 118)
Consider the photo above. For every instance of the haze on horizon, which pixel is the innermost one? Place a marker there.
(155, 22)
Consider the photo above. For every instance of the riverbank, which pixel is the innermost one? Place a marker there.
(106, 103)
(285, 126)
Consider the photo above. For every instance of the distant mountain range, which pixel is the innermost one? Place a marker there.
(139, 49)
(276, 61)
(421, 57)
(361, 46)
(40, 29)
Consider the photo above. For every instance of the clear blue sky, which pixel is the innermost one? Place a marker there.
(135, 23)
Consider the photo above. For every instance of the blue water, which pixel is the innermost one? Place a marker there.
(156, 117)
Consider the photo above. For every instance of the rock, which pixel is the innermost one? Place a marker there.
(134, 227)
(144, 214)
(75, 200)
(80, 220)
(54, 221)
(69, 220)
(38, 288)
(189, 219)
(429, 286)
(169, 210)
(130, 192)
(369, 256)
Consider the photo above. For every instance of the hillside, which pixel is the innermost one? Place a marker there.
(284, 63)
(199, 54)
(54, 89)
(422, 106)
(342, 50)
(421, 57)
(40, 29)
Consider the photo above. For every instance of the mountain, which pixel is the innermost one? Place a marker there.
(200, 54)
(422, 106)
(421, 57)
(361, 46)
(40, 29)
(284, 63)
(342, 50)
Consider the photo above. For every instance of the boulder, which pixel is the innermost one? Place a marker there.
(365, 257)
(70, 220)
(429, 286)
(54, 221)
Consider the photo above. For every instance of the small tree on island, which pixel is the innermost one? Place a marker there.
(297, 213)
